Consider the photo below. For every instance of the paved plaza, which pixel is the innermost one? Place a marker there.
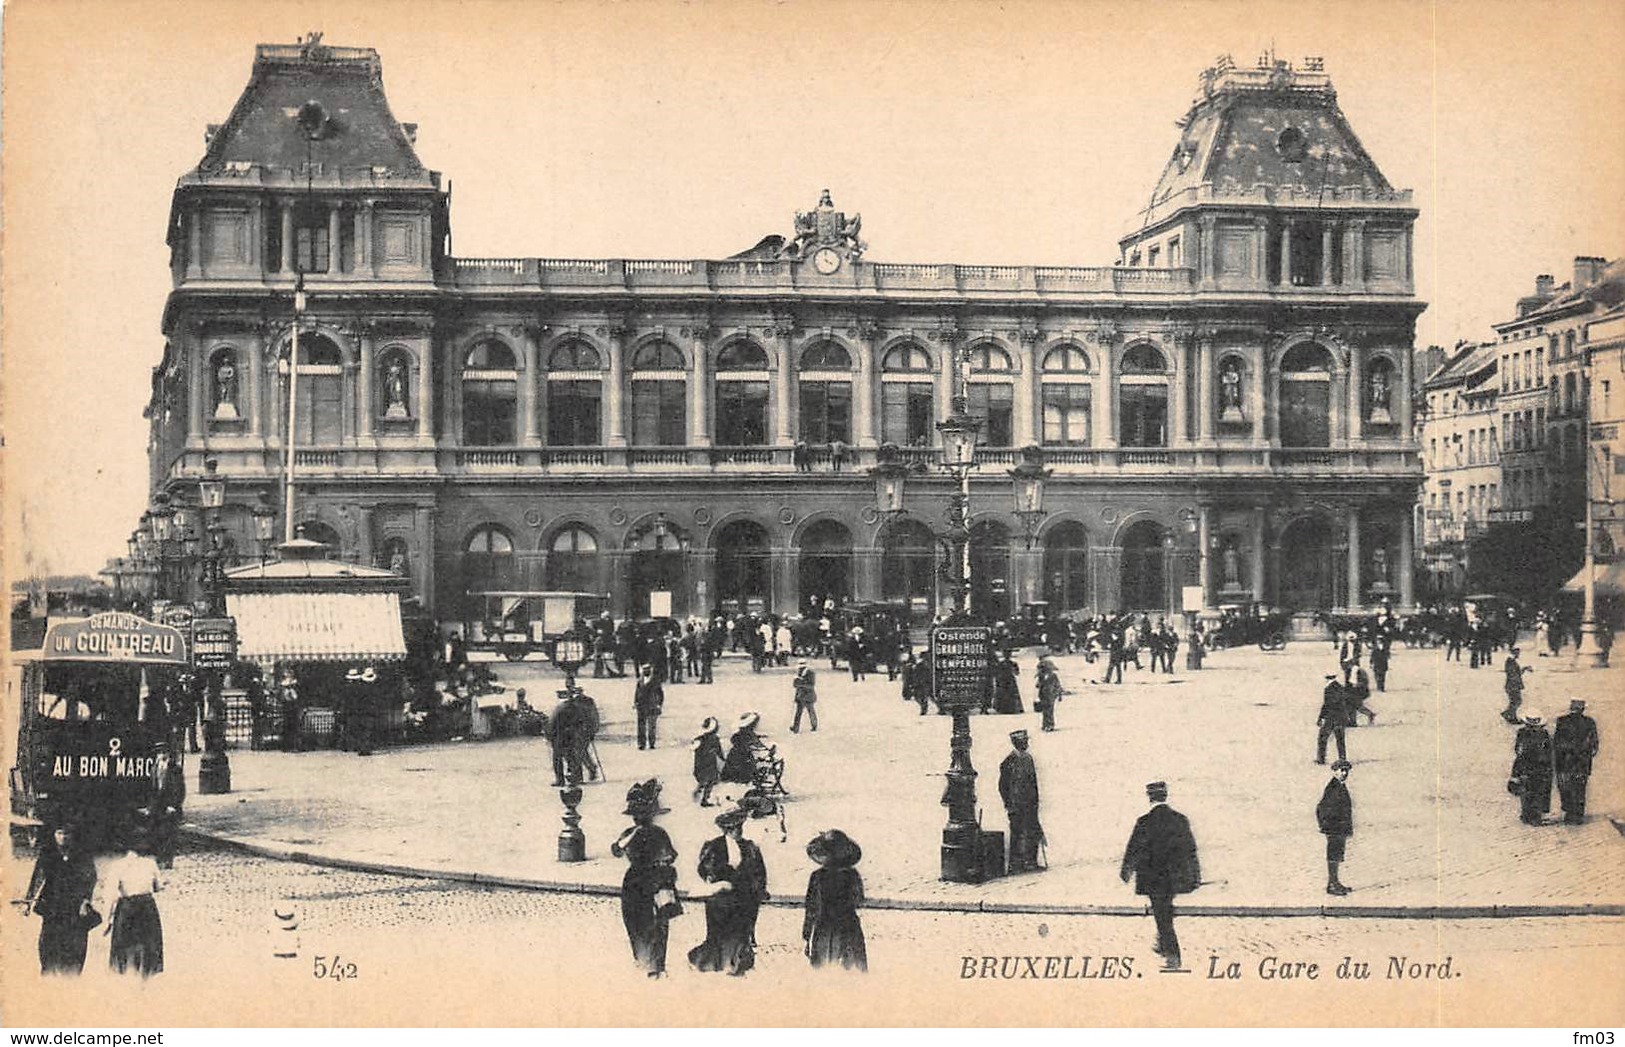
(1435, 827)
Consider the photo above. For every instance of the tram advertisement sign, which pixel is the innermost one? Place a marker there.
(97, 762)
(214, 643)
(961, 662)
(115, 637)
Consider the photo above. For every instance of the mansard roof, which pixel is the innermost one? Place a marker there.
(347, 82)
(1275, 126)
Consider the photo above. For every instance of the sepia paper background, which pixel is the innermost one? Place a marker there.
(1014, 133)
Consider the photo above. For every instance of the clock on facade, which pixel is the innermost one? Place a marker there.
(826, 260)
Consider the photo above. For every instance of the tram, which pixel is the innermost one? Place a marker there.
(93, 727)
(515, 623)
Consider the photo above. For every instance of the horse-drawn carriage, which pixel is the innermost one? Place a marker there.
(1239, 627)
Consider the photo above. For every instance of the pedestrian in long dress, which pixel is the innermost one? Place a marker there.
(740, 765)
(830, 926)
(1018, 788)
(1574, 745)
(649, 888)
(707, 762)
(1006, 688)
(1050, 692)
(734, 864)
(59, 893)
(137, 932)
(1532, 769)
(1161, 857)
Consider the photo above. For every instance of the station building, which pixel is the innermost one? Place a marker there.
(1227, 406)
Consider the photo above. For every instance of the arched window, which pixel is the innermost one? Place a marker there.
(741, 394)
(826, 394)
(574, 394)
(659, 384)
(1068, 395)
(990, 394)
(490, 395)
(316, 531)
(488, 564)
(1143, 398)
(907, 408)
(1306, 397)
(1143, 573)
(394, 395)
(825, 563)
(1066, 566)
(320, 412)
(572, 561)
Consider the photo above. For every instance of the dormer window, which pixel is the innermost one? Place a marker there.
(1292, 145)
(311, 245)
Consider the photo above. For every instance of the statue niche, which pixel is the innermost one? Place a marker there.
(225, 387)
(1230, 409)
(395, 382)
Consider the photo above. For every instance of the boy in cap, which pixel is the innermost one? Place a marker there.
(1018, 788)
(1335, 813)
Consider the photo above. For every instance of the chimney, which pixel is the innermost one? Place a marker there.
(1543, 285)
(1587, 271)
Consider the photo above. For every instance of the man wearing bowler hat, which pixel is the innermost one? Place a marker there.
(1161, 856)
(1018, 788)
(1333, 719)
(1574, 745)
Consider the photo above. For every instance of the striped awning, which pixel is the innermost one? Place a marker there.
(317, 627)
(1610, 579)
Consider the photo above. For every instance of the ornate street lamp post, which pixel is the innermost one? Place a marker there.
(1029, 478)
(214, 770)
(569, 653)
(264, 526)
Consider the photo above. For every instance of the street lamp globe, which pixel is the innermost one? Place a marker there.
(891, 481)
(959, 434)
(163, 520)
(211, 488)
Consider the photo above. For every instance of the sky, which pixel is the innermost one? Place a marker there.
(993, 133)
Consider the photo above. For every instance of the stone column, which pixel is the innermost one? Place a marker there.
(863, 396)
(286, 207)
(1261, 251)
(1354, 253)
(616, 420)
(198, 383)
(703, 568)
(1407, 568)
(333, 238)
(529, 375)
(1208, 256)
(1258, 394)
(1025, 413)
(1355, 598)
(784, 330)
(1259, 520)
(699, 417)
(364, 533)
(358, 227)
(1286, 253)
(1325, 254)
(194, 244)
(427, 557)
(866, 566)
(785, 598)
(1105, 394)
(1205, 393)
(426, 381)
(364, 400)
(252, 394)
(1402, 395)
(349, 399)
(1204, 564)
(1179, 407)
(364, 238)
(1356, 379)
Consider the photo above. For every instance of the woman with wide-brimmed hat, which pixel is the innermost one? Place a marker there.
(831, 928)
(649, 889)
(1532, 768)
(734, 864)
(707, 762)
(740, 765)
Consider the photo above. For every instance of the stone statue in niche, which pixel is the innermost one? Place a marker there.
(397, 561)
(1379, 566)
(1230, 392)
(225, 389)
(395, 388)
(1379, 397)
(1232, 566)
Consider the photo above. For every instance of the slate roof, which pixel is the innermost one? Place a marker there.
(347, 81)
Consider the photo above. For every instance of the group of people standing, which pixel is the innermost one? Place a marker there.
(1564, 756)
(72, 898)
(736, 874)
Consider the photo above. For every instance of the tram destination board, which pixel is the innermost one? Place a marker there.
(961, 659)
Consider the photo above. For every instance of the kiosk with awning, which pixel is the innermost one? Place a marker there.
(327, 639)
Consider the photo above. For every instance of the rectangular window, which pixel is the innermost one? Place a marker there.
(1176, 254)
(658, 414)
(906, 413)
(1153, 256)
(991, 402)
(1540, 427)
(1145, 415)
(741, 414)
(573, 413)
(488, 413)
(310, 248)
(826, 412)
(1066, 415)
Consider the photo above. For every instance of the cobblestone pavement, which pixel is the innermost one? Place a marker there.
(428, 951)
(1435, 826)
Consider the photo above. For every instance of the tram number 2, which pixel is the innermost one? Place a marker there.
(334, 968)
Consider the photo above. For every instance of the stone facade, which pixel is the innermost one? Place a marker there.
(1227, 407)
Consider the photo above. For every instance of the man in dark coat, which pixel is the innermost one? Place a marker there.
(806, 696)
(1333, 719)
(1161, 856)
(574, 726)
(1574, 745)
(1381, 652)
(1514, 685)
(1018, 788)
(648, 698)
(59, 894)
(1335, 813)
